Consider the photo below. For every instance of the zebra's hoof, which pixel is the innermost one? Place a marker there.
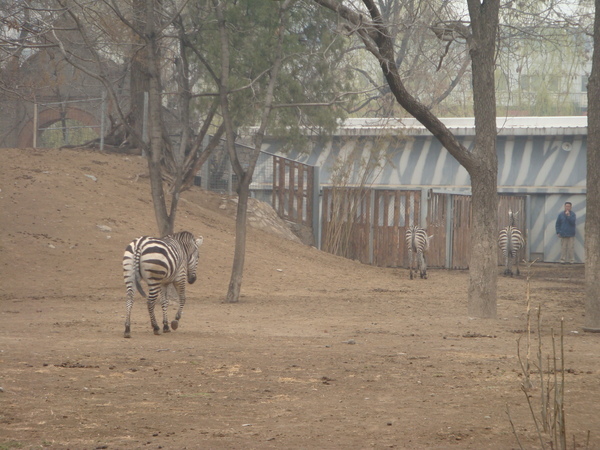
(127, 335)
(174, 325)
(157, 332)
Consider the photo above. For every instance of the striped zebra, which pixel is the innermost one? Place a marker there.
(510, 241)
(417, 242)
(160, 262)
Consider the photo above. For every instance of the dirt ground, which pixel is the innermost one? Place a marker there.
(321, 352)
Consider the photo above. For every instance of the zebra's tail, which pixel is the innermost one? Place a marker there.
(139, 286)
(136, 272)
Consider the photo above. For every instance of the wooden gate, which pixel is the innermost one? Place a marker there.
(437, 222)
(369, 224)
(461, 232)
(293, 185)
(394, 211)
(346, 226)
(449, 221)
(454, 251)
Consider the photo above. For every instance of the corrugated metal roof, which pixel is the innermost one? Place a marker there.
(465, 126)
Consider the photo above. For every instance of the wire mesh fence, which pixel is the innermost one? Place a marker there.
(68, 122)
(218, 175)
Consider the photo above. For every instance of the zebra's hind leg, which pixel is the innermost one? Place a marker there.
(510, 271)
(164, 303)
(507, 270)
(127, 333)
(410, 263)
(422, 266)
(181, 291)
(152, 296)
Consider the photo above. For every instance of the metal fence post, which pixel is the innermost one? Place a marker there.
(372, 220)
(229, 177)
(35, 124)
(316, 202)
(424, 207)
(449, 228)
(204, 170)
(102, 114)
(145, 123)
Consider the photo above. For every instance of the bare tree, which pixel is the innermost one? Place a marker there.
(173, 163)
(481, 161)
(592, 222)
(416, 29)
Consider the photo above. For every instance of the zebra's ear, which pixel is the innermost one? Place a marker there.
(199, 241)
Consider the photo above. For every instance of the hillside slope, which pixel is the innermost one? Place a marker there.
(69, 214)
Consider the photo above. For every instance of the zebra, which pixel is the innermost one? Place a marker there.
(510, 241)
(160, 262)
(418, 242)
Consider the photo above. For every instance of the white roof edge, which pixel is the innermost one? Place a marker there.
(465, 126)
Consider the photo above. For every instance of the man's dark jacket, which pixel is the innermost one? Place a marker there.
(565, 225)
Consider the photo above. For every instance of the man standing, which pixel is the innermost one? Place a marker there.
(565, 229)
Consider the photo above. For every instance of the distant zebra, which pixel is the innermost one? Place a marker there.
(510, 241)
(160, 262)
(417, 242)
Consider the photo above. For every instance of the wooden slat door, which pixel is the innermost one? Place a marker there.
(393, 212)
(461, 231)
(437, 223)
(346, 222)
(293, 190)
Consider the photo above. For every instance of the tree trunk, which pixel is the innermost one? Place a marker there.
(483, 267)
(165, 226)
(138, 75)
(239, 257)
(164, 222)
(244, 176)
(592, 222)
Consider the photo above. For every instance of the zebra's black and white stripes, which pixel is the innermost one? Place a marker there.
(160, 262)
(417, 242)
(510, 241)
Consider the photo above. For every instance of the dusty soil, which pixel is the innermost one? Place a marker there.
(321, 352)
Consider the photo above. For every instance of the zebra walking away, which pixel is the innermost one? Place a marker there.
(160, 262)
(510, 241)
(417, 242)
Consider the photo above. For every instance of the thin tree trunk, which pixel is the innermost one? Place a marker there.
(244, 176)
(239, 257)
(592, 222)
(138, 75)
(165, 225)
(154, 162)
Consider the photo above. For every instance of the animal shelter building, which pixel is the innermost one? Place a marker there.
(387, 174)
